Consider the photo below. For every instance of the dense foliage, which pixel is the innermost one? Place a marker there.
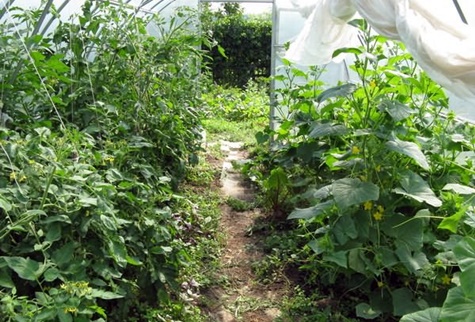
(243, 50)
(377, 179)
(99, 121)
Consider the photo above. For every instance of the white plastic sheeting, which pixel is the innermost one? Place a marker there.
(432, 31)
(71, 8)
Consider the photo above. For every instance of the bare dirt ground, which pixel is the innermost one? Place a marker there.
(239, 296)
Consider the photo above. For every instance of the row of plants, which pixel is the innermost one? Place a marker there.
(99, 125)
(375, 177)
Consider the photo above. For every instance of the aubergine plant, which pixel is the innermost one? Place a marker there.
(381, 174)
(98, 124)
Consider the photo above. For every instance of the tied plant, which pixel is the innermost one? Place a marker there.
(379, 175)
(99, 124)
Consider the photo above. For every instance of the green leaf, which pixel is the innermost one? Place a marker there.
(4, 204)
(318, 129)
(105, 295)
(416, 188)
(87, 201)
(51, 274)
(396, 109)
(460, 189)
(118, 252)
(339, 258)
(57, 218)
(53, 232)
(5, 279)
(414, 262)
(345, 229)
(26, 268)
(222, 52)
(451, 223)
(64, 254)
(348, 192)
(277, 180)
(319, 245)
(350, 50)
(407, 232)
(356, 261)
(403, 302)
(431, 314)
(464, 252)
(342, 90)
(311, 212)
(109, 223)
(458, 307)
(133, 261)
(410, 149)
(63, 316)
(365, 311)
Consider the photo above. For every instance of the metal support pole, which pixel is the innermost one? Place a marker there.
(460, 12)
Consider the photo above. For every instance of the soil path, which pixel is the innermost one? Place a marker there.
(240, 297)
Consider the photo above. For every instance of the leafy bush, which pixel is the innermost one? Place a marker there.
(238, 105)
(236, 36)
(99, 122)
(380, 184)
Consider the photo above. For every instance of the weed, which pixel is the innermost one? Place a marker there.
(239, 205)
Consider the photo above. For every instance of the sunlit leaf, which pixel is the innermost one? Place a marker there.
(311, 212)
(4, 204)
(410, 149)
(349, 50)
(365, 311)
(26, 268)
(348, 192)
(396, 109)
(451, 223)
(460, 189)
(416, 188)
(318, 129)
(105, 295)
(342, 90)
(458, 307)
(431, 314)
(464, 252)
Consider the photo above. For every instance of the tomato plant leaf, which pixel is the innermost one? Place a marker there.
(4, 204)
(26, 268)
(105, 295)
(5, 279)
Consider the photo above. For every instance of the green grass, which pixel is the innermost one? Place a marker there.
(221, 129)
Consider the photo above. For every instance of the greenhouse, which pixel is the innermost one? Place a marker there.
(253, 160)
